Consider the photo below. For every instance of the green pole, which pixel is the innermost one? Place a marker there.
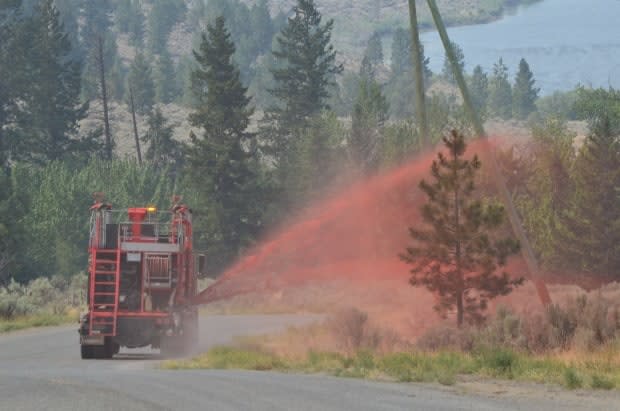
(515, 220)
(416, 56)
(458, 74)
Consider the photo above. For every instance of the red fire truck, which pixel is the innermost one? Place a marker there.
(141, 281)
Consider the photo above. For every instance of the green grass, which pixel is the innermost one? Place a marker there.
(36, 320)
(442, 367)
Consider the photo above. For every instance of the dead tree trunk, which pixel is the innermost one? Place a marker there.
(104, 98)
(135, 125)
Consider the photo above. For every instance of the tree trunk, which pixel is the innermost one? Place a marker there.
(459, 309)
(104, 98)
(135, 126)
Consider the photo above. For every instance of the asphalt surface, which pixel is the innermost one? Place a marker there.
(41, 370)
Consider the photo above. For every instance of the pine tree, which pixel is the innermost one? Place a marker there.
(166, 88)
(96, 30)
(54, 110)
(447, 71)
(500, 92)
(401, 55)
(309, 59)
(591, 238)
(524, 94)
(374, 50)
(162, 18)
(479, 89)
(163, 150)
(222, 160)
(262, 25)
(12, 67)
(369, 117)
(457, 258)
(141, 82)
(135, 25)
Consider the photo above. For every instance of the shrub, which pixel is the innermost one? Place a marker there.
(352, 331)
(582, 323)
(601, 383)
(571, 379)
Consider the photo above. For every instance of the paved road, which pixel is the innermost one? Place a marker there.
(41, 369)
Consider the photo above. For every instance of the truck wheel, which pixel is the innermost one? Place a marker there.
(87, 352)
(110, 348)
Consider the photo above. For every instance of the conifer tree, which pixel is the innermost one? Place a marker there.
(54, 109)
(479, 89)
(369, 117)
(11, 66)
(401, 57)
(591, 235)
(524, 94)
(500, 92)
(96, 32)
(221, 159)
(309, 60)
(135, 24)
(401, 52)
(163, 150)
(141, 82)
(262, 25)
(447, 67)
(166, 88)
(457, 257)
(374, 50)
(162, 18)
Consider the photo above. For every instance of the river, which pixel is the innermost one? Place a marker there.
(566, 43)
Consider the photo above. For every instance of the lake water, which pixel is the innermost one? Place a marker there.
(566, 42)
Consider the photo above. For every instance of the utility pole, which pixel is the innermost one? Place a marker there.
(135, 126)
(104, 97)
(500, 182)
(418, 70)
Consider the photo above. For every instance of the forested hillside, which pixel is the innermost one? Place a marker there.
(248, 109)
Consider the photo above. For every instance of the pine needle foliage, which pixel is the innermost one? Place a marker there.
(458, 257)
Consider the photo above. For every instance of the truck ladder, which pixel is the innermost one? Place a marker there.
(105, 279)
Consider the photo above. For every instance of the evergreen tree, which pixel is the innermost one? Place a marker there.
(96, 29)
(479, 89)
(162, 18)
(141, 82)
(262, 25)
(166, 88)
(400, 88)
(367, 70)
(447, 71)
(163, 150)
(500, 92)
(457, 258)
(401, 56)
(135, 25)
(374, 50)
(369, 117)
(50, 125)
(222, 163)
(12, 67)
(122, 14)
(591, 239)
(309, 59)
(524, 94)
(401, 52)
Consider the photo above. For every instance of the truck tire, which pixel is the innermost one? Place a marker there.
(87, 352)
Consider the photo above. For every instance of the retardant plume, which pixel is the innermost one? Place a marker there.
(354, 239)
